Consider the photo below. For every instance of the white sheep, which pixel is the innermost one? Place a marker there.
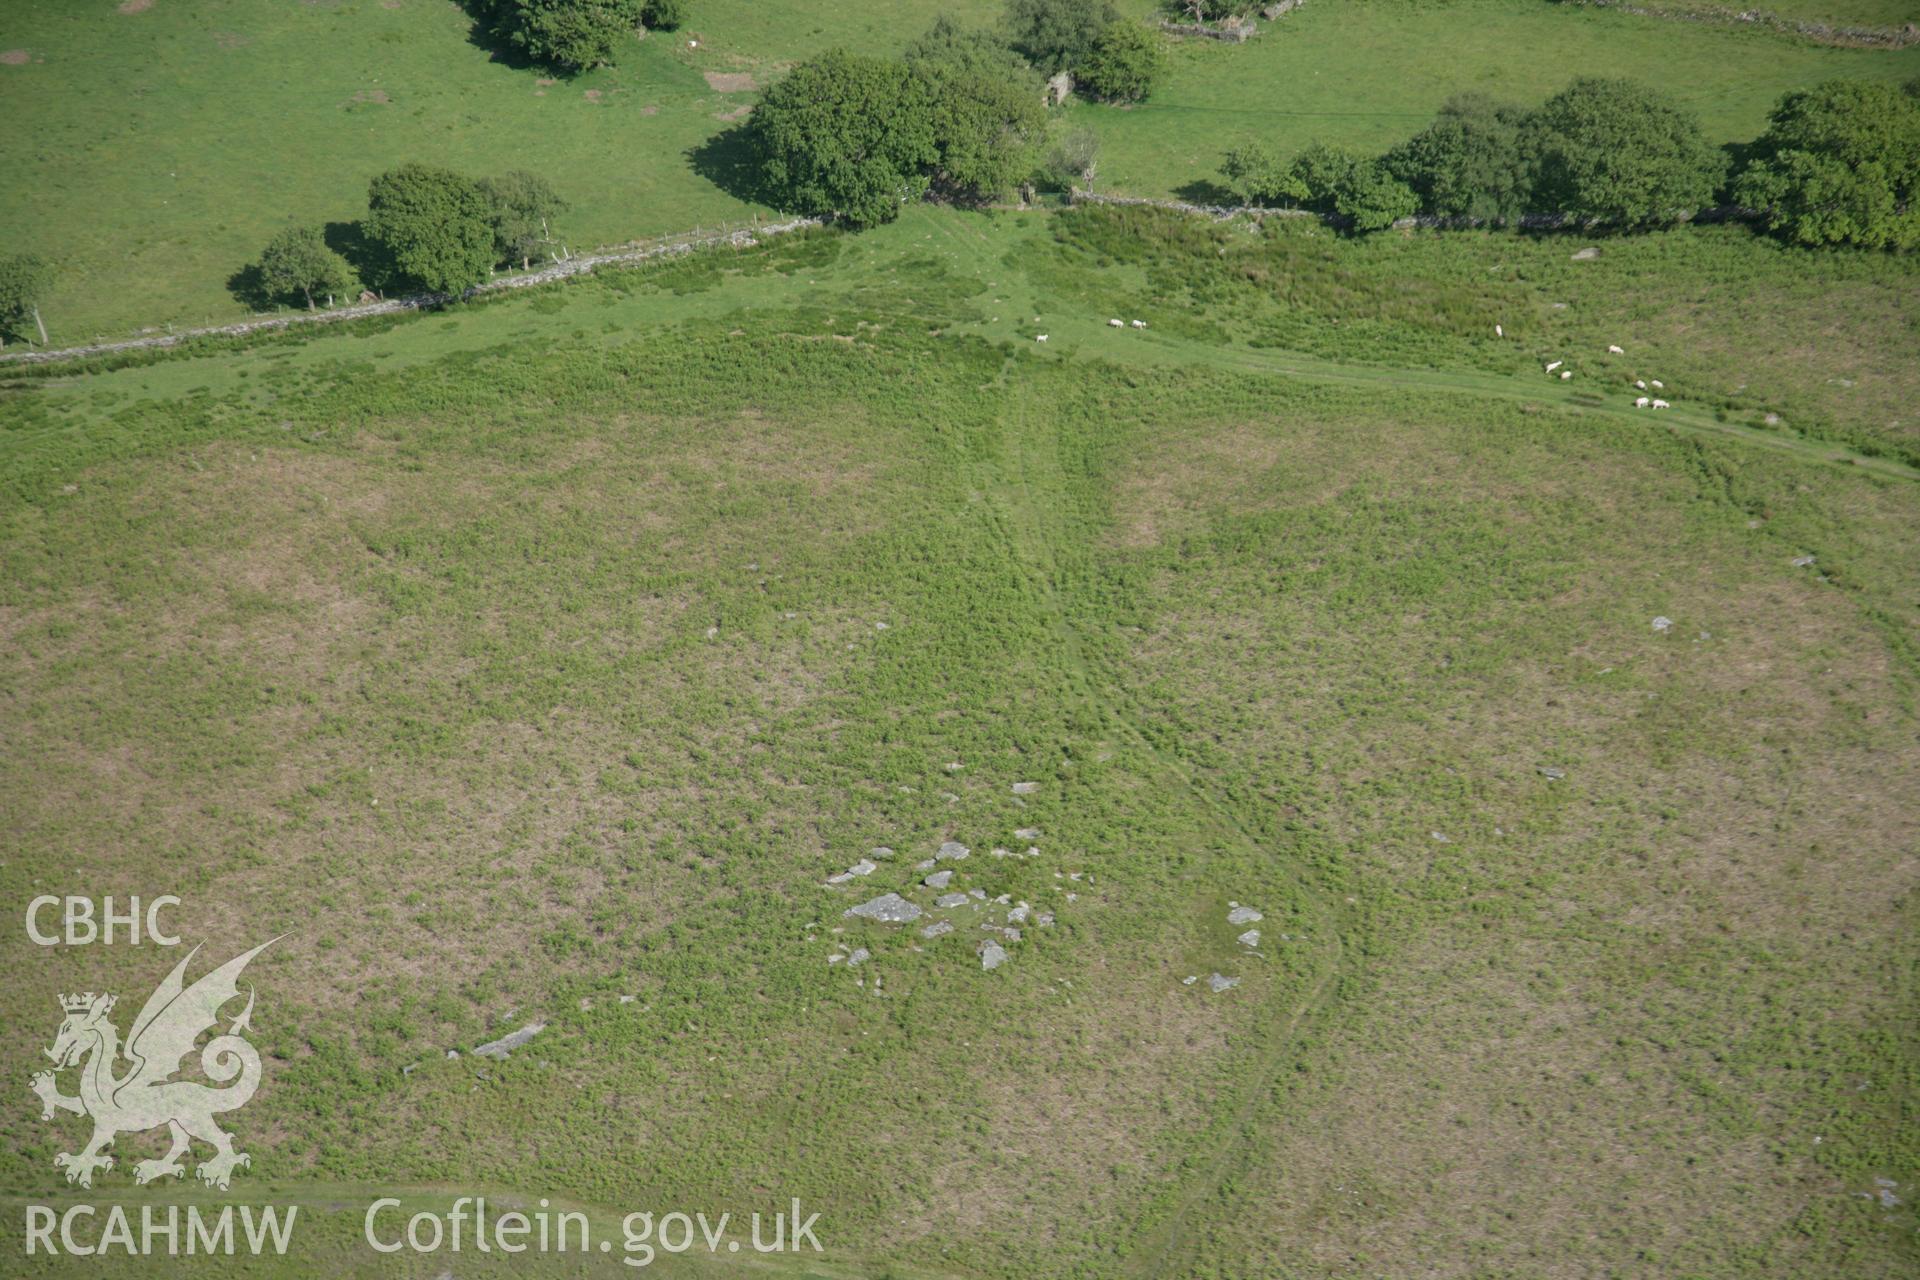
(1613, 350)
(1498, 332)
(1116, 324)
(1640, 403)
(1040, 337)
(1641, 383)
(1565, 374)
(1661, 404)
(1555, 365)
(1139, 324)
(1659, 385)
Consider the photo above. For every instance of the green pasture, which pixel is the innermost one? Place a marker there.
(151, 154)
(525, 656)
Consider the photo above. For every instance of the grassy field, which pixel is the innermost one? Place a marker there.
(1836, 13)
(153, 152)
(525, 657)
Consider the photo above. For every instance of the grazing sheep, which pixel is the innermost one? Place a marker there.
(1565, 374)
(1640, 403)
(1498, 332)
(1658, 385)
(1641, 383)
(1661, 404)
(1115, 324)
(1040, 338)
(1613, 350)
(1139, 324)
(1555, 365)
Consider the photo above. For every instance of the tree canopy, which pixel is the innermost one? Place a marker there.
(1125, 61)
(1619, 151)
(1259, 176)
(845, 135)
(1839, 164)
(522, 208)
(1469, 163)
(298, 263)
(985, 112)
(24, 281)
(1057, 35)
(435, 226)
(570, 35)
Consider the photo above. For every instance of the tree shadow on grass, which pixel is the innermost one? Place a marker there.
(728, 160)
(368, 260)
(1206, 191)
(249, 288)
(497, 47)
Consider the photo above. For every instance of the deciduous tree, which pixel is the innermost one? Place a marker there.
(1057, 35)
(435, 227)
(846, 136)
(297, 262)
(1125, 61)
(1618, 151)
(523, 208)
(1839, 164)
(24, 281)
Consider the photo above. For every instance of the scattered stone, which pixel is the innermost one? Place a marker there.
(947, 901)
(1551, 774)
(954, 766)
(1025, 788)
(835, 958)
(998, 852)
(508, 1043)
(840, 877)
(1662, 623)
(626, 999)
(938, 880)
(925, 864)
(938, 929)
(979, 893)
(880, 852)
(1189, 980)
(860, 956)
(1019, 914)
(992, 955)
(1044, 919)
(1010, 934)
(1027, 833)
(1251, 938)
(409, 1069)
(952, 850)
(1218, 983)
(1243, 915)
(1587, 254)
(1439, 837)
(1802, 562)
(864, 867)
(453, 1053)
(889, 908)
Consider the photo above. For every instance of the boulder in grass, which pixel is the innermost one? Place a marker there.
(508, 1043)
(888, 908)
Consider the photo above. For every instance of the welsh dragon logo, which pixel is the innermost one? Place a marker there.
(144, 1095)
